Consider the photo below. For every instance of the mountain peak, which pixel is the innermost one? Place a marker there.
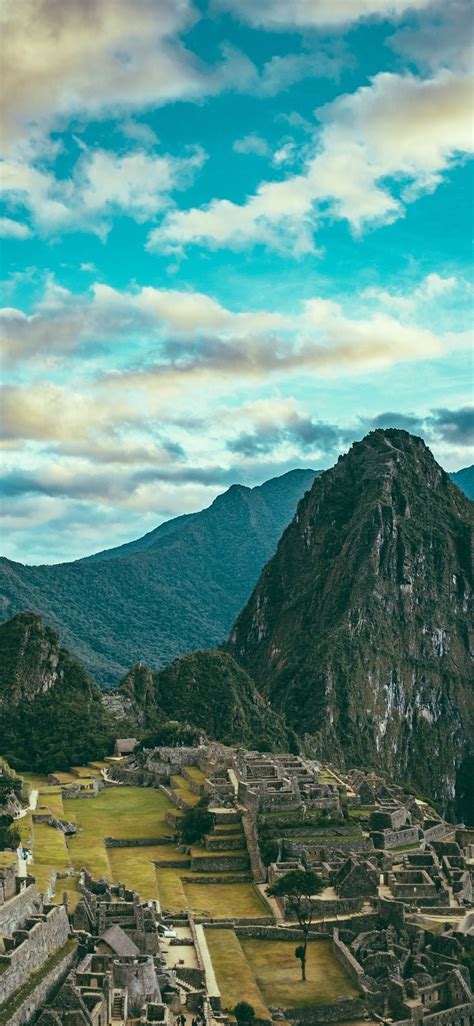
(357, 628)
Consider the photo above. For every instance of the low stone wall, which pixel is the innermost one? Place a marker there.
(330, 907)
(220, 864)
(173, 797)
(40, 994)
(42, 940)
(347, 960)
(13, 911)
(458, 1016)
(437, 831)
(210, 879)
(395, 838)
(221, 924)
(343, 1010)
(138, 777)
(138, 842)
(252, 928)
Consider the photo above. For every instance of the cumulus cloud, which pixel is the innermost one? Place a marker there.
(96, 59)
(252, 143)
(441, 36)
(404, 301)
(10, 229)
(399, 129)
(103, 183)
(182, 334)
(291, 14)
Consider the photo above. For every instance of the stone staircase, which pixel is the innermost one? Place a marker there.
(118, 1005)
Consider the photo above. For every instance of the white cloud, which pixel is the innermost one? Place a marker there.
(252, 143)
(431, 287)
(137, 183)
(10, 229)
(280, 14)
(399, 129)
(139, 132)
(179, 335)
(75, 58)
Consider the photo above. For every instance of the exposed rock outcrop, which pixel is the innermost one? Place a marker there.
(358, 628)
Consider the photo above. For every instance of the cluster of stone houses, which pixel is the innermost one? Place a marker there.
(396, 903)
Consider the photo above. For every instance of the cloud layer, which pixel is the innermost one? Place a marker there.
(398, 136)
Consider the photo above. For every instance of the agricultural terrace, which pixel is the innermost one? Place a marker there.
(269, 975)
(157, 871)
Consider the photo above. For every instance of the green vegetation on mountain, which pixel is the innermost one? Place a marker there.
(51, 711)
(358, 628)
(208, 689)
(178, 588)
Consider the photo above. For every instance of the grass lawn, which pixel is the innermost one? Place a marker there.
(42, 874)
(123, 812)
(8, 858)
(89, 852)
(52, 800)
(182, 789)
(196, 774)
(171, 892)
(135, 867)
(234, 975)
(49, 847)
(34, 780)
(68, 884)
(225, 901)
(25, 829)
(278, 973)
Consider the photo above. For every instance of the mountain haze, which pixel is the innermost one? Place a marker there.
(358, 628)
(178, 588)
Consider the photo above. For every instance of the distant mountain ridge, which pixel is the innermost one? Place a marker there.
(358, 630)
(465, 480)
(177, 589)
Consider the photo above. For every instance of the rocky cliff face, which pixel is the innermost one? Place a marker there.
(51, 711)
(358, 628)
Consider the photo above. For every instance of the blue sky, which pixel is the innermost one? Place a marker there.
(235, 237)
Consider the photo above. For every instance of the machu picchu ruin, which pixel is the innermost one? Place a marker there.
(137, 890)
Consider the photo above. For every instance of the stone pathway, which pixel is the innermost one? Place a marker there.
(23, 863)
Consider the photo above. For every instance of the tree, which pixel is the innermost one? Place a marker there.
(196, 822)
(299, 886)
(244, 1013)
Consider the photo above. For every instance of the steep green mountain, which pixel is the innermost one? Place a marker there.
(358, 628)
(51, 712)
(207, 689)
(178, 588)
(465, 480)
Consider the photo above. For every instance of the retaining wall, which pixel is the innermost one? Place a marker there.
(40, 994)
(13, 911)
(43, 939)
(343, 1010)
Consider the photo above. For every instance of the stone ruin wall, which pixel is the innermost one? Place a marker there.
(44, 938)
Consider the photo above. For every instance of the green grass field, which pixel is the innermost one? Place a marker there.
(234, 975)
(122, 812)
(278, 974)
(225, 901)
(171, 892)
(49, 847)
(135, 867)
